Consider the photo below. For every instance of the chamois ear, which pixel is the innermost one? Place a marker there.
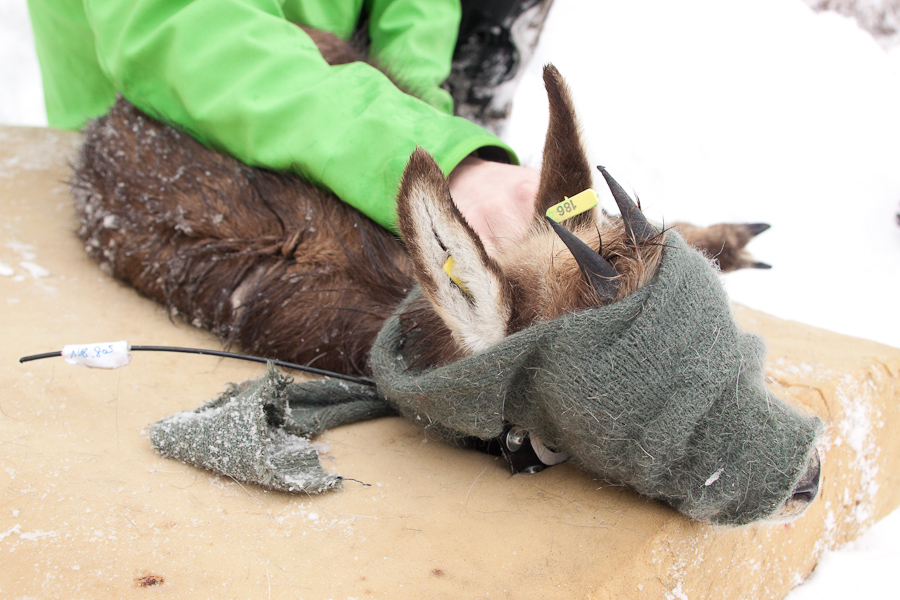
(468, 291)
(565, 170)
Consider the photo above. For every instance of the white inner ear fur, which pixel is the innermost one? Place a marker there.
(481, 318)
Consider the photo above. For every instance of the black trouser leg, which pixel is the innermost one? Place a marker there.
(496, 38)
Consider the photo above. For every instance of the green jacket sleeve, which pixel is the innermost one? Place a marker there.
(418, 50)
(241, 78)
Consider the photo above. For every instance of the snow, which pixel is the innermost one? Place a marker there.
(716, 110)
(865, 568)
(766, 111)
(21, 94)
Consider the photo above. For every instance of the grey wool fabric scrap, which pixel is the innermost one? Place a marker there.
(660, 391)
(242, 434)
(321, 404)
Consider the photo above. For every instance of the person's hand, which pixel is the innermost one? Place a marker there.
(496, 199)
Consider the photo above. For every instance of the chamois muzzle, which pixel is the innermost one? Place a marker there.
(808, 487)
(804, 492)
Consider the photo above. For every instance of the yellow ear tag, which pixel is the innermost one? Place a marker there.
(449, 270)
(575, 205)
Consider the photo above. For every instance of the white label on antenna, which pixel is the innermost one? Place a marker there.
(108, 355)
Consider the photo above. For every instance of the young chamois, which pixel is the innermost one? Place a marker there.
(271, 263)
(281, 268)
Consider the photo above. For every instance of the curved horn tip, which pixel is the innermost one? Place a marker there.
(599, 272)
(636, 224)
(757, 228)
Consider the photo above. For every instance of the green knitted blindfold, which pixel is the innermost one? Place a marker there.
(660, 391)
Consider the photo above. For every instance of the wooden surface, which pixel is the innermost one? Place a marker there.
(88, 510)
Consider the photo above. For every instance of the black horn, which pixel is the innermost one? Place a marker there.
(636, 225)
(757, 228)
(598, 271)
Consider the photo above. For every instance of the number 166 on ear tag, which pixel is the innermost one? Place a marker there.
(573, 206)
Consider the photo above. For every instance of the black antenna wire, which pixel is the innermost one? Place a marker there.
(223, 354)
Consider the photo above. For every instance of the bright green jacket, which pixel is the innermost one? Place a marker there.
(242, 78)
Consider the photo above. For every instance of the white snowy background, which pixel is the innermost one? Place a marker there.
(719, 110)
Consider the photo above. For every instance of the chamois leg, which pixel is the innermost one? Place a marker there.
(725, 243)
